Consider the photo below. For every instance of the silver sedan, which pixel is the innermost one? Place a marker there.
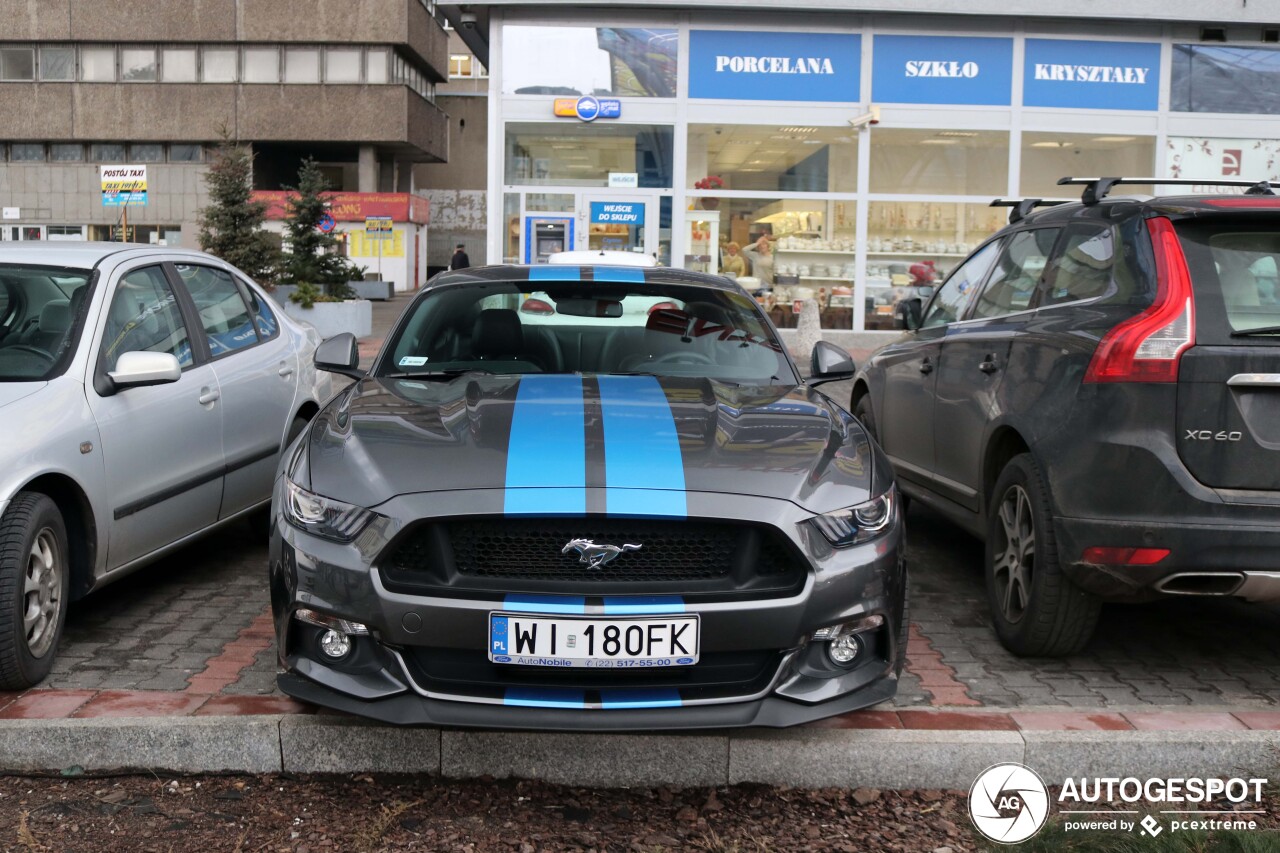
(145, 394)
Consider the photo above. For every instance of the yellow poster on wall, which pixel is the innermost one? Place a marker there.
(361, 244)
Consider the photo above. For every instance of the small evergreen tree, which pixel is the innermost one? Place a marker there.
(231, 223)
(312, 256)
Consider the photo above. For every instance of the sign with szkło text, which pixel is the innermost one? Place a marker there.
(617, 212)
(942, 70)
(1098, 75)
(777, 66)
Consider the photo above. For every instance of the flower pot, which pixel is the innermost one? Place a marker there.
(710, 203)
(331, 318)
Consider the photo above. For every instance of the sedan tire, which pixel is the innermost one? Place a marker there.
(34, 580)
(1037, 610)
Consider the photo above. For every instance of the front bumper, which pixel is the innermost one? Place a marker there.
(424, 661)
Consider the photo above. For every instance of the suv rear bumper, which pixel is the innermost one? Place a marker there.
(1241, 560)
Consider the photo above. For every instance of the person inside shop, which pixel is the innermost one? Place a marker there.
(733, 263)
(459, 261)
(760, 254)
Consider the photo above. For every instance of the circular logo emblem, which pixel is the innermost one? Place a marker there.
(1008, 803)
(587, 108)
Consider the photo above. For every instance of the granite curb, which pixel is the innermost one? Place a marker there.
(880, 758)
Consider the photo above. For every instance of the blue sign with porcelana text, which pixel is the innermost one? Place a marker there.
(1102, 75)
(617, 212)
(775, 66)
(942, 70)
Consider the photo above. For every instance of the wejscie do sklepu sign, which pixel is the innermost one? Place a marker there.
(124, 186)
(1105, 75)
(617, 212)
(942, 70)
(759, 66)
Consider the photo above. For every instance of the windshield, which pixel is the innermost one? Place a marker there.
(39, 319)
(588, 327)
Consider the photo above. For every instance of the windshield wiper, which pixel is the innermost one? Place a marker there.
(438, 375)
(1261, 330)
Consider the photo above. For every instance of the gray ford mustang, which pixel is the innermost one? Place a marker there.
(586, 498)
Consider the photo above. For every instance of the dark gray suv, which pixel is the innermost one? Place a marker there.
(1095, 391)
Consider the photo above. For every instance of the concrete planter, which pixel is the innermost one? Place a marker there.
(332, 318)
(377, 290)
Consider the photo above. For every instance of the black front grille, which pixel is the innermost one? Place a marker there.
(528, 555)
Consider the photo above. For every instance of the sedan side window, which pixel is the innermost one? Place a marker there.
(1085, 266)
(1018, 273)
(144, 317)
(959, 288)
(223, 313)
(262, 315)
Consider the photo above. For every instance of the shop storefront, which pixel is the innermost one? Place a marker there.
(755, 151)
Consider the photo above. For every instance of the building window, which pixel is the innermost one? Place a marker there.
(98, 64)
(138, 64)
(106, 152)
(17, 63)
(186, 153)
(773, 158)
(261, 65)
(375, 65)
(66, 153)
(146, 152)
(1049, 156)
(178, 64)
(574, 154)
(460, 64)
(26, 151)
(631, 62)
(57, 63)
(1222, 79)
(301, 65)
(341, 65)
(947, 162)
(218, 64)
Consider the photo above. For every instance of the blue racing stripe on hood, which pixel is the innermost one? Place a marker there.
(627, 275)
(644, 469)
(547, 450)
(555, 273)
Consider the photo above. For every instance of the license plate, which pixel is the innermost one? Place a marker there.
(568, 641)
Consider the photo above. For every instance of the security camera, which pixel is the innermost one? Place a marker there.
(872, 116)
(468, 20)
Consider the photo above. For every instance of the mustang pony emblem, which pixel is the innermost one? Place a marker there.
(595, 556)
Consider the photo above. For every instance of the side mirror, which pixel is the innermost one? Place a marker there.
(135, 369)
(829, 363)
(340, 354)
(907, 314)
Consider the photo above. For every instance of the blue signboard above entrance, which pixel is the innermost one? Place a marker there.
(785, 66)
(617, 212)
(942, 70)
(1106, 75)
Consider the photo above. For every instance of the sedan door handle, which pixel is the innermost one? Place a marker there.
(926, 367)
(208, 395)
(286, 371)
(990, 364)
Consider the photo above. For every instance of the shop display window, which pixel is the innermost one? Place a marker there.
(773, 158)
(1049, 156)
(942, 162)
(1225, 79)
(511, 237)
(566, 61)
(581, 155)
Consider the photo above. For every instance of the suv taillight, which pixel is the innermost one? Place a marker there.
(1146, 347)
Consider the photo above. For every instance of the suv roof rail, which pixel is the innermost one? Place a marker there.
(1096, 189)
(1021, 207)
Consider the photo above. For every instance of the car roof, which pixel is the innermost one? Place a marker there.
(613, 257)
(539, 274)
(80, 254)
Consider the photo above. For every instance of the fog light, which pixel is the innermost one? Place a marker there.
(844, 649)
(335, 645)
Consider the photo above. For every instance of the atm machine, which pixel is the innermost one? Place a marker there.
(544, 236)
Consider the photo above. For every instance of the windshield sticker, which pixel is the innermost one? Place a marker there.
(413, 361)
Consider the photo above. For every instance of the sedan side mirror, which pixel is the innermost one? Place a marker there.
(340, 354)
(907, 315)
(135, 369)
(830, 363)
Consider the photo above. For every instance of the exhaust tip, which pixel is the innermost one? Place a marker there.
(1202, 583)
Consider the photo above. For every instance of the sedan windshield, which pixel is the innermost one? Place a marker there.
(39, 318)
(588, 327)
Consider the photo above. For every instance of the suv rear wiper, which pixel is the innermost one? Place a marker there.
(437, 375)
(1261, 330)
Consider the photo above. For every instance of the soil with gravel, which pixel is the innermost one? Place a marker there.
(355, 814)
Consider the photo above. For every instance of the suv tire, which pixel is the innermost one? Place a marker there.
(1037, 610)
(34, 557)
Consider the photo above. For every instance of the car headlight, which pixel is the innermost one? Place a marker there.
(860, 523)
(325, 517)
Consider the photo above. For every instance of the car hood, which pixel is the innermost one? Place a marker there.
(387, 437)
(12, 392)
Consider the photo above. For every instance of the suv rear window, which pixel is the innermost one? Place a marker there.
(1236, 274)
